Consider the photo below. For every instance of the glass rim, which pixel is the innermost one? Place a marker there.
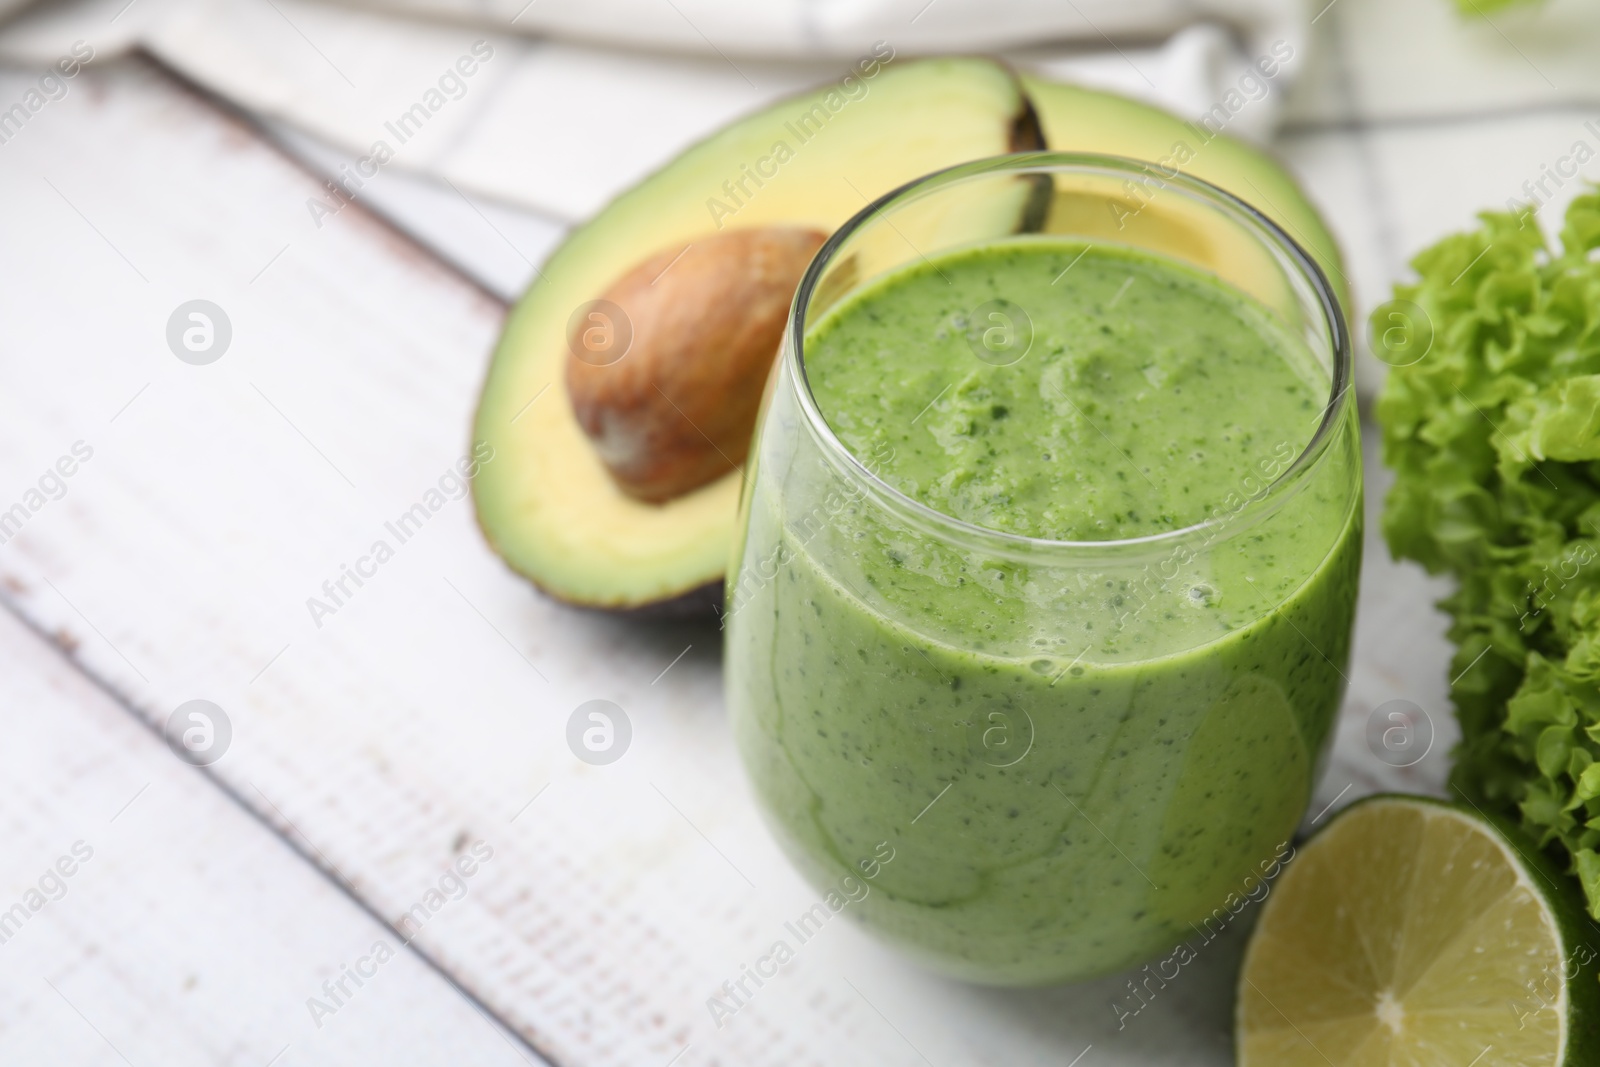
(1257, 505)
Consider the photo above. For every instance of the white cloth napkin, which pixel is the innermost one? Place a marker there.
(571, 101)
(843, 29)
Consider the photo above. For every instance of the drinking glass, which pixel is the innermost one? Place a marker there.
(1043, 760)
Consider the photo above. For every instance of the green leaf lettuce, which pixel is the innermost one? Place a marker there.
(1494, 436)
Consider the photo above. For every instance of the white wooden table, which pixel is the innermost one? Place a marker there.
(423, 720)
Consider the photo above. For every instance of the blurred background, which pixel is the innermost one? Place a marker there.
(385, 850)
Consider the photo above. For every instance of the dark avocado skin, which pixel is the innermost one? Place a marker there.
(702, 602)
(1026, 133)
(1028, 136)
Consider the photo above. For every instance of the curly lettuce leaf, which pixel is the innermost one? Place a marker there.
(1494, 437)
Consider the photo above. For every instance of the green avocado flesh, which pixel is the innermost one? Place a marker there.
(549, 507)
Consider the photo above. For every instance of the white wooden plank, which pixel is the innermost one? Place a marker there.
(172, 927)
(433, 704)
(497, 246)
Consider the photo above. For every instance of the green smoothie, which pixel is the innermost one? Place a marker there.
(1077, 752)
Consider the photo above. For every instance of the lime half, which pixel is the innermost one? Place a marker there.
(1411, 933)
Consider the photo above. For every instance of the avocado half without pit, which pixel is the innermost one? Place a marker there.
(622, 395)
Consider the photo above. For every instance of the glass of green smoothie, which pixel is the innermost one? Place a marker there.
(1039, 622)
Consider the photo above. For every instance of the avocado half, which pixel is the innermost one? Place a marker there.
(1074, 119)
(547, 504)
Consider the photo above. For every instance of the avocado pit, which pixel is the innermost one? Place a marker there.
(665, 371)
